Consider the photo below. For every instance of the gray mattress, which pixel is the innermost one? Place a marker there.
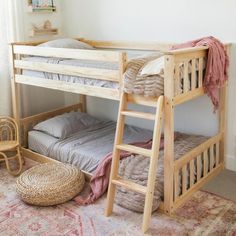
(85, 148)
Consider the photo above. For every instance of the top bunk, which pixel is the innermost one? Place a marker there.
(102, 70)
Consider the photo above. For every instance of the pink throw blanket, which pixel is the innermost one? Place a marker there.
(217, 66)
(100, 180)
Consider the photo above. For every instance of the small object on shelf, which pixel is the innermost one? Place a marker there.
(47, 25)
(45, 29)
(41, 6)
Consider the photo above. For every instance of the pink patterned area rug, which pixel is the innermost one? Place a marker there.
(204, 214)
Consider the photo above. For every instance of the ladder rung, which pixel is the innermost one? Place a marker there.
(137, 114)
(134, 149)
(130, 185)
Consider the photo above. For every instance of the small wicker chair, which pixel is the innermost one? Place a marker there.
(9, 143)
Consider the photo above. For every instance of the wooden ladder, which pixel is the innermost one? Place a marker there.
(148, 190)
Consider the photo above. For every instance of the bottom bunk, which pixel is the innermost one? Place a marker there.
(196, 157)
(86, 148)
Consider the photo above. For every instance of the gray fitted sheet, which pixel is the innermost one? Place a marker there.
(85, 148)
(40, 142)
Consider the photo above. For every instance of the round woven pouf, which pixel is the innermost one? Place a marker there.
(50, 184)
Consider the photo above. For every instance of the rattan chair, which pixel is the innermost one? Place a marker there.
(9, 144)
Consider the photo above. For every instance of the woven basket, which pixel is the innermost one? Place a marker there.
(50, 184)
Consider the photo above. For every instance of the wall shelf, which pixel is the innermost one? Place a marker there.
(40, 9)
(43, 32)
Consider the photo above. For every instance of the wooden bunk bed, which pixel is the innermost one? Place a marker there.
(211, 153)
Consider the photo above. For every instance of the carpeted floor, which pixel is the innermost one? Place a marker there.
(204, 214)
(223, 185)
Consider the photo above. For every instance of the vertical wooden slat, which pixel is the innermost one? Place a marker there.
(193, 74)
(25, 130)
(177, 185)
(212, 157)
(184, 179)
(191, 165)
(186, 77)
(205, 162)
(84, 103)
(217, 153)
(199, 165)
(177, 81)
(200, 74)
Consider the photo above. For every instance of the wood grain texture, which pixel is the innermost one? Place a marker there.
(81, 54)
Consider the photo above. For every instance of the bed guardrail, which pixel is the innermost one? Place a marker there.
(192, 170)
(184, 73)
(113, 75)
(29, 122)
(184, 68)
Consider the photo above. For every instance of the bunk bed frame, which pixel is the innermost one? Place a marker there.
(211, 153)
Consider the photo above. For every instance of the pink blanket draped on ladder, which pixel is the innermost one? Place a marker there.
(100, 180)
(217, 66)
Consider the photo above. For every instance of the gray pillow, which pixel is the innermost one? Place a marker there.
(64, 125)
(66, 43)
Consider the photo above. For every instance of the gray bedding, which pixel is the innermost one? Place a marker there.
(85, 148)
(40, 142)
(73, 79)
(135, 83)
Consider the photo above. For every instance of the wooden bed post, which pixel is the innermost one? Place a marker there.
(222, 122)
(83, 102)
(169, 134)
(122, 67)
(223, 115)
(15, 89)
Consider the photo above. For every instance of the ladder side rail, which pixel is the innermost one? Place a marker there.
(153, 165)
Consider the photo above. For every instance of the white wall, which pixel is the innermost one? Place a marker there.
(163, 21)
(5, 100)
(36, 100)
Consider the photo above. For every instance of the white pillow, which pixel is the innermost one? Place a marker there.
(66, 124)
(154, 67)
(66, 43)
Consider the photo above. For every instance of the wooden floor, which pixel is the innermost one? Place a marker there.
(223, 185)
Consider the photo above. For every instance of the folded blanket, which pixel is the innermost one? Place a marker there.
(147, 85)
(136, 169)
(100, 180)
(217, 66)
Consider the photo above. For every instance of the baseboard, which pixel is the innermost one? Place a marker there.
(230, 163)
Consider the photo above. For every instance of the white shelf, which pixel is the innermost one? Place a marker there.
(31, 9)
(40, 9)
